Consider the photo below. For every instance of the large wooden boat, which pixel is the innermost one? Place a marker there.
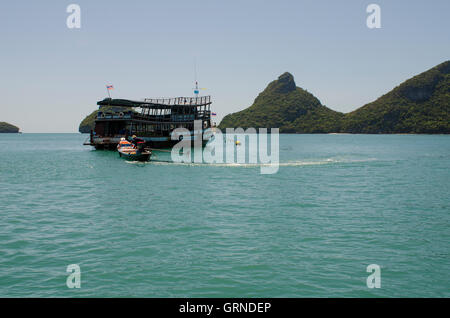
(151, 120)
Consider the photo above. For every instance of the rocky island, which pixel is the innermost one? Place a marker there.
(8, 128)
(288, 107)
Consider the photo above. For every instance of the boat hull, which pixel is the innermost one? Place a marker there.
(138, 156)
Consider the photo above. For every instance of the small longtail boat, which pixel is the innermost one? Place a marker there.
(133, 152)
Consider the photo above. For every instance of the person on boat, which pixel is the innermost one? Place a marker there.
(138, 142)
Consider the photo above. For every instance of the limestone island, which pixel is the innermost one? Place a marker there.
(8, 128)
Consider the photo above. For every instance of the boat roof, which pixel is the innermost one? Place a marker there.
(158, 102)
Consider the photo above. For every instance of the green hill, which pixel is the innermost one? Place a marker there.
(290, 108)
(8, 128)
(419, 105)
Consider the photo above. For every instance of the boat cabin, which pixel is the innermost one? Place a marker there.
(152, 120)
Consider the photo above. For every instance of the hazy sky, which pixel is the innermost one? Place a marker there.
(52, 76)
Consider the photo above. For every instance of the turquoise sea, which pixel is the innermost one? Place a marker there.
(337, 204)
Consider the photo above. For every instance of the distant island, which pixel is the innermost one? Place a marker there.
(8, 128)
(419, 105)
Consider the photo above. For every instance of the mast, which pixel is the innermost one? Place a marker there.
(196, 89)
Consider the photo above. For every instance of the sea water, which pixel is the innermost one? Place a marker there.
(337, 204)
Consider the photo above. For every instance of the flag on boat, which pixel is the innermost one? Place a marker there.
(214, 114)
(109, 87)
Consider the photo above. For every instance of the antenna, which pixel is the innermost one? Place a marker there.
(195, 69)
(196, 91)
(196, 88)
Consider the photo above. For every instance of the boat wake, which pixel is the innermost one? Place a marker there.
(296, 163)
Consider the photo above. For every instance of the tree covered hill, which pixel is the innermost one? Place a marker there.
(290, 108)
(419, 105)
(8, 128)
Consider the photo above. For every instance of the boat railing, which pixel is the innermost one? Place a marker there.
(179, 101)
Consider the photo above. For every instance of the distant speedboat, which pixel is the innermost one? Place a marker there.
(131, 151)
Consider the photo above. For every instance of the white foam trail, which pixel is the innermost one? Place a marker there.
(250, 165)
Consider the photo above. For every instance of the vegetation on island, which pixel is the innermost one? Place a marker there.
(8, 128)
(285, 106)
(419, 105)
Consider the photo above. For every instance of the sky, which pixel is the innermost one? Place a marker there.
(53, 76)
